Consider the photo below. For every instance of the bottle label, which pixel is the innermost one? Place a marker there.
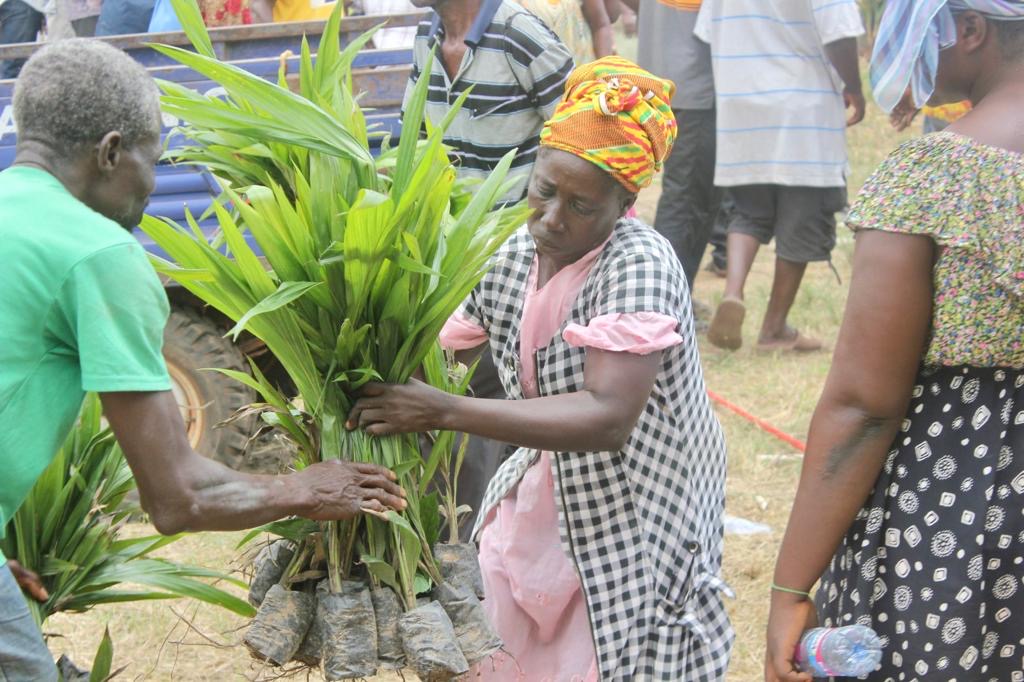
(814, 647)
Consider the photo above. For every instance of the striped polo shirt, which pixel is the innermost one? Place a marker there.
(517, 68)
(781, 117)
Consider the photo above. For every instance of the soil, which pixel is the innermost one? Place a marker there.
(349, 630)
(477, 639)
(69, 672)
(387, 610)
(311, 651)
(269, 565)
(431, 648)
(460, 566)
(280, 625)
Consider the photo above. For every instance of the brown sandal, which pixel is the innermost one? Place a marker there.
(726, 330)
(798, 344)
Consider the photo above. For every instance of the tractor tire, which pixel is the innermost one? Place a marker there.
(193, 343)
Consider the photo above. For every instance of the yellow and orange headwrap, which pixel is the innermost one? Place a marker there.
(617, 116)
(685, 5)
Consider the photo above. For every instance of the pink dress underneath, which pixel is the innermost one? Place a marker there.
(534, 596)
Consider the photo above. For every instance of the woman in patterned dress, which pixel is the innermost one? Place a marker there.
(584, 26)
(911, 502)
(600, 538)
(216, 13)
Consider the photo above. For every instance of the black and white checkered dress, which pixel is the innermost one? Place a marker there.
(643, 525)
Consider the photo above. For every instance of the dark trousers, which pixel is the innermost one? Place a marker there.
(483, 456)
(19, 23)
(118, 17)
(689, 200)
(720, 231)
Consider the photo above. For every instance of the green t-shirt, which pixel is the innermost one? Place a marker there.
(81, 309)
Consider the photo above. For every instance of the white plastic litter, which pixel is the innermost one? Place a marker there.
(734, 525)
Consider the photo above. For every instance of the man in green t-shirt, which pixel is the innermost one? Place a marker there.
(82, 310)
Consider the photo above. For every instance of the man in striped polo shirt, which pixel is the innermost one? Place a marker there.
(517, 68)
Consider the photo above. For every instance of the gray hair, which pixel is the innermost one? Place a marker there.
(73, 92)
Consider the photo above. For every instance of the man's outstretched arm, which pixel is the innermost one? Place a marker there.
(183, 491)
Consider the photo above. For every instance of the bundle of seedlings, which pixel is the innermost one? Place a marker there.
(68, 530)
(365, 261)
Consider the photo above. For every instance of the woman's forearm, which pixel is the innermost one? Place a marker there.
(578, 422)
(864, 401)
(845, 454)
(599, 417)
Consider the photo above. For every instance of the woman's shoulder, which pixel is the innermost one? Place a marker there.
(518, 248)
(511, 257)
(638, 241)
(637, 271)
(639, 265)
(940, 184)
(947, 159)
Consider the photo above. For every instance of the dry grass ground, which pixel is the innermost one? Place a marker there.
(184, 641)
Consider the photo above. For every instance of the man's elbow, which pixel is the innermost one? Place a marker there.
(171, 517)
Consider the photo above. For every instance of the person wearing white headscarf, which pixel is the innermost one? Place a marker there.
(908, 516)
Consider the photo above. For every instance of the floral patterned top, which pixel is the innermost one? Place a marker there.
(565, 18)
(969, 198)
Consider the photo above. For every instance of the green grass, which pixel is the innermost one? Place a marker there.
(782, 389)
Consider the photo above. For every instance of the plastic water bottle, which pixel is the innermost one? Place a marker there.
(848, 651)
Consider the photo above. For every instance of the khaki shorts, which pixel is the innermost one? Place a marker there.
(801, 219)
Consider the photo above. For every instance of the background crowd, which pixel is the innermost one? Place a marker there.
(585, 27)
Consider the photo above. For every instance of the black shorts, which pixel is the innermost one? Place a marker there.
(801, 219)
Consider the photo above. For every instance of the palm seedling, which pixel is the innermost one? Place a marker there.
(363, 261)
(68, 531)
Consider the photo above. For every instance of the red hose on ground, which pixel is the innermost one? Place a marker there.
(757, 421)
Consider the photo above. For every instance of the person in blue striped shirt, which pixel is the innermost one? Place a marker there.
(785, 73)
(517, 68)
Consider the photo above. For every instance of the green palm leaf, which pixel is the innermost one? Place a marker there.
(364, 262)
(67, 530)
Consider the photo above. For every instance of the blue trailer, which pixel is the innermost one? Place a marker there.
(194, 338)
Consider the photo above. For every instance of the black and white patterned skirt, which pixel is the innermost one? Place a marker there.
(934, 561)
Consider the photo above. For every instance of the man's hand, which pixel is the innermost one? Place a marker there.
(384, 409)
(342, 490)
(28, 581)
(844, 57)
(184, 491)
(854, 101)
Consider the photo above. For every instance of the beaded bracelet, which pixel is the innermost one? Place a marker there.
(791, 591)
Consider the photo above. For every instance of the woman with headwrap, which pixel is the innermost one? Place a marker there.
(601, 537)
(910, 503)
